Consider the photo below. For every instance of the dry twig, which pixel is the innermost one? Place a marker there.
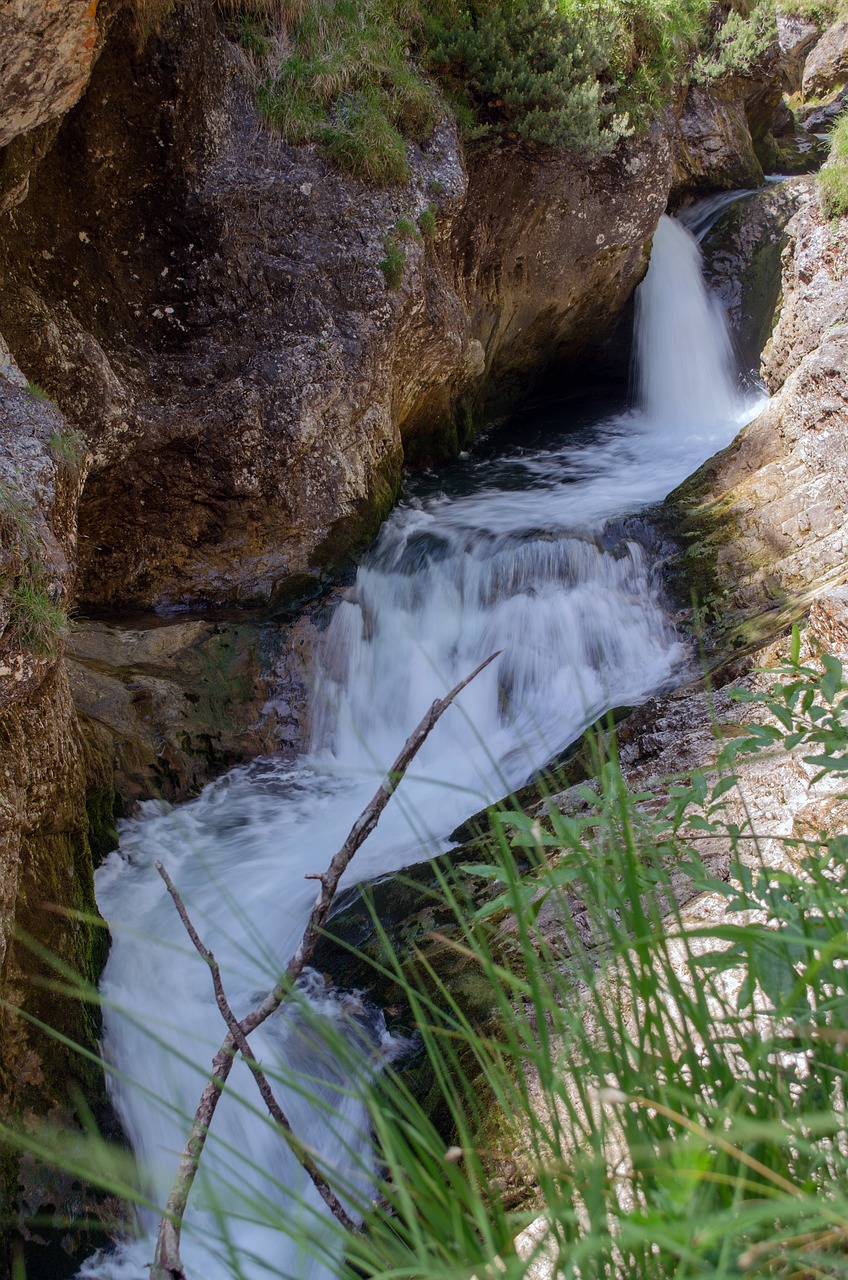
(167, 1264)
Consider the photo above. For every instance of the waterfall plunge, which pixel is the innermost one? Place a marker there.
(521, 557)
(683, 353)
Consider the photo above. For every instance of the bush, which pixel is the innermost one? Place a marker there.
(739, 43)
(393, 264)
(833, 178)
(37, 623)
(349, 86)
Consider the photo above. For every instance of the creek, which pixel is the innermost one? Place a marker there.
(535, 549)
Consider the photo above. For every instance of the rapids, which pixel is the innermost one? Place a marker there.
(532, 554)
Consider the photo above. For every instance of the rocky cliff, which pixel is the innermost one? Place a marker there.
(764, 521)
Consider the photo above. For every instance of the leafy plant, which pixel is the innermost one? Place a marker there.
(739, 43)
(427, 223)
(833, 177)
(393, 263)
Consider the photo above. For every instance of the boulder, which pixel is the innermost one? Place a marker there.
(796, 36)
(826, 67)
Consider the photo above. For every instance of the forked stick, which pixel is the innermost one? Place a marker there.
(167, 1264)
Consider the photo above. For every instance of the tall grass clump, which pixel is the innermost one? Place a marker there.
(350, 85)
(833, 177)
(821, 12)
(657, 1091)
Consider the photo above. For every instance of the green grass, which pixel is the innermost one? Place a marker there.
(361, 77)
(667, 1090)
(68, 449)
(427, 223)
(350, 86)
(821, 12)
(393, 263)
(833, 178)
(37, 392)
(37, 623)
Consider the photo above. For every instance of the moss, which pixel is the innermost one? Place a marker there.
(354, 532)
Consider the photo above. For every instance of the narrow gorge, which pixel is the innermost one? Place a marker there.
(289, 445)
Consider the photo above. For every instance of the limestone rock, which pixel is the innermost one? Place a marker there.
(40, 483)
(713, 144)
(209, 307)
(183, 701)
(815, 291)
(796, 35)
(742, 255)
(46, 57)
(826, 67)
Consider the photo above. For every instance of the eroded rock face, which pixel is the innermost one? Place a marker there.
(742, 256)
(796, 36)
(764, 522)
(212, 313)
(183, 701)
(826, 67)
(815, 291)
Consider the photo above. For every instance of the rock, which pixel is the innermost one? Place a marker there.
(55, 806)
(182, 702)
(41, 477)
(713, 145)
(247, 381)
(46, 57)
(819, 119)
(826, 67)
(796, 35)
(742, 255)
(815, 291)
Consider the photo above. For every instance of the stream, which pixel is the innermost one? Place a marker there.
(532, 551)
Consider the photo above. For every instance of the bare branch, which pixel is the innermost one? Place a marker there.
(167, 1264)
(301, 1154)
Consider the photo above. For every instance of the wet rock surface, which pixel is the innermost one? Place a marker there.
(742, 256)
(181, 702)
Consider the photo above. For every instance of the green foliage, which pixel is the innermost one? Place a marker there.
(739, 43)
(349, 86)
(666, 1089)
(427, 223)
(68, 449)
(821, 12)
(37, 392)
(833, 178)
(37, 623)
(393, 263)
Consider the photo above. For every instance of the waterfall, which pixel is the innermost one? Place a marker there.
(684, 357)
(531, 553)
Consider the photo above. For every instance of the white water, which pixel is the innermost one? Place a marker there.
(527, 563)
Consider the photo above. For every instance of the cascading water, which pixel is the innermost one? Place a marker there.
(531, 559)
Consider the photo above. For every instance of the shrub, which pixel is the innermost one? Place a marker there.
(427, 222)
(739, 43)
(821, 12)
(833, 178)
(349, 86)
(393, 263)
